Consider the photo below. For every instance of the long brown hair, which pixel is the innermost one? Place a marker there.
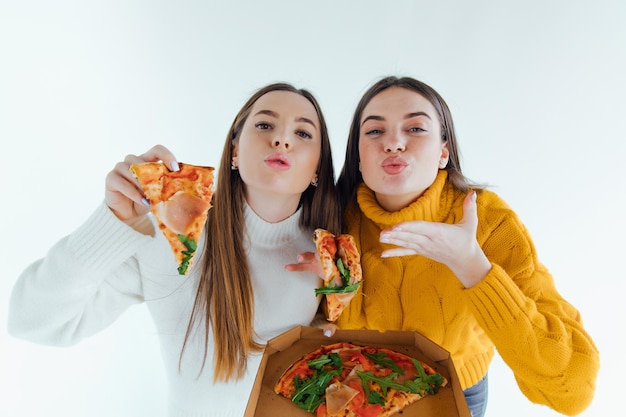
(351, 177)
(224, 300)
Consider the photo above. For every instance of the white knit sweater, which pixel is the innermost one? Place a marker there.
(91, 276)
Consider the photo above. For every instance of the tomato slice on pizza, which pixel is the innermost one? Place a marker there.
(348, 380)
(341, 264)
(180, 202)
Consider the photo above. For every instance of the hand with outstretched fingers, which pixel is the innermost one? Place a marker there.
(453, 245)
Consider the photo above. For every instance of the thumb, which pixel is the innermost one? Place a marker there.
(329, 329)
(470, 216)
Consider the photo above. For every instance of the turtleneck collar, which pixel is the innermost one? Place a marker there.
(264, 233)
(426, 207)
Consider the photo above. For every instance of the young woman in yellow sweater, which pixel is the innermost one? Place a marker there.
(445, 258)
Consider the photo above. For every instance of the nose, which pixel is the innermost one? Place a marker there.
(394, 141)
(399, 148)
(394, 145)
(281, 141)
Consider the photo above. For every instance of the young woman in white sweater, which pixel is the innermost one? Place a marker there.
(275, 184)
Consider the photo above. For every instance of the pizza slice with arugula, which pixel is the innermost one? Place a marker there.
(341, 264)
(180, 202)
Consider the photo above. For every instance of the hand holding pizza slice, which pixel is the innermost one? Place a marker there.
(180, 202)
(341, 264)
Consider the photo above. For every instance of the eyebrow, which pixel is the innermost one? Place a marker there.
(407, 116)
(275, 115)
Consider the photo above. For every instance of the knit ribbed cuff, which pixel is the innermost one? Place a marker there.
(496, 300)
(104, 241)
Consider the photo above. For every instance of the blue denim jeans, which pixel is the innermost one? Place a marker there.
(476, 397)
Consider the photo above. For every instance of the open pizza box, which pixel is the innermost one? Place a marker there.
(290, 346)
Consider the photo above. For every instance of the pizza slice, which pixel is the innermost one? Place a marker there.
(180, 201)
(348, 380)
(341, 264)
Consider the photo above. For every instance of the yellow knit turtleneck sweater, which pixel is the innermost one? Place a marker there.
(516, 308)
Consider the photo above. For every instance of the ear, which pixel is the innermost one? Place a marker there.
(445, 152)
(235, 149)
(234, 164)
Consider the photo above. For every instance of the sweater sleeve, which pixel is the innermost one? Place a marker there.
(83, 283)
(538, 333)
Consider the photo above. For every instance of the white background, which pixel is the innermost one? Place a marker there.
(536, 88)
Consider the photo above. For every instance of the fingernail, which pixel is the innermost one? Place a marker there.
(384, 238)
(473, 195)
(174, 166)
(145, 202)
(327, 332)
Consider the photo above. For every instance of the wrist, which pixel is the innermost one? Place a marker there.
(474, 270)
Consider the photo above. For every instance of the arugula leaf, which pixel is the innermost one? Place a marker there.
(319, 362)
(425, 383)
(191, 246)
(310, 392)
(189, 243)
(336, 361)
(333, 359)
(345, 286)
(330, 289)
(385, 361)
(385, 382)
(422, 384)
(375, 397)
(345, 273)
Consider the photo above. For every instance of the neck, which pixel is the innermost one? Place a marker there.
(273, 208)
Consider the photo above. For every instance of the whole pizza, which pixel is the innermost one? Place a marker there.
(348, 380)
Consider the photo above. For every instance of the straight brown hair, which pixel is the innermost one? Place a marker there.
(224, 301)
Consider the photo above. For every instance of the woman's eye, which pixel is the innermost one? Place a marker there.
(304, 135)
(262, 126)
(417, 130)
(373, 132)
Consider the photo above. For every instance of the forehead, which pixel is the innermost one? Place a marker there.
(286, 103)
(398, 101)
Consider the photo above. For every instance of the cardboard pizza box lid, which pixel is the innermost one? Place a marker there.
(290, 346)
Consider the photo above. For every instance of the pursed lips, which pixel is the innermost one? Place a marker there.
(394, 165)
(278, 161)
